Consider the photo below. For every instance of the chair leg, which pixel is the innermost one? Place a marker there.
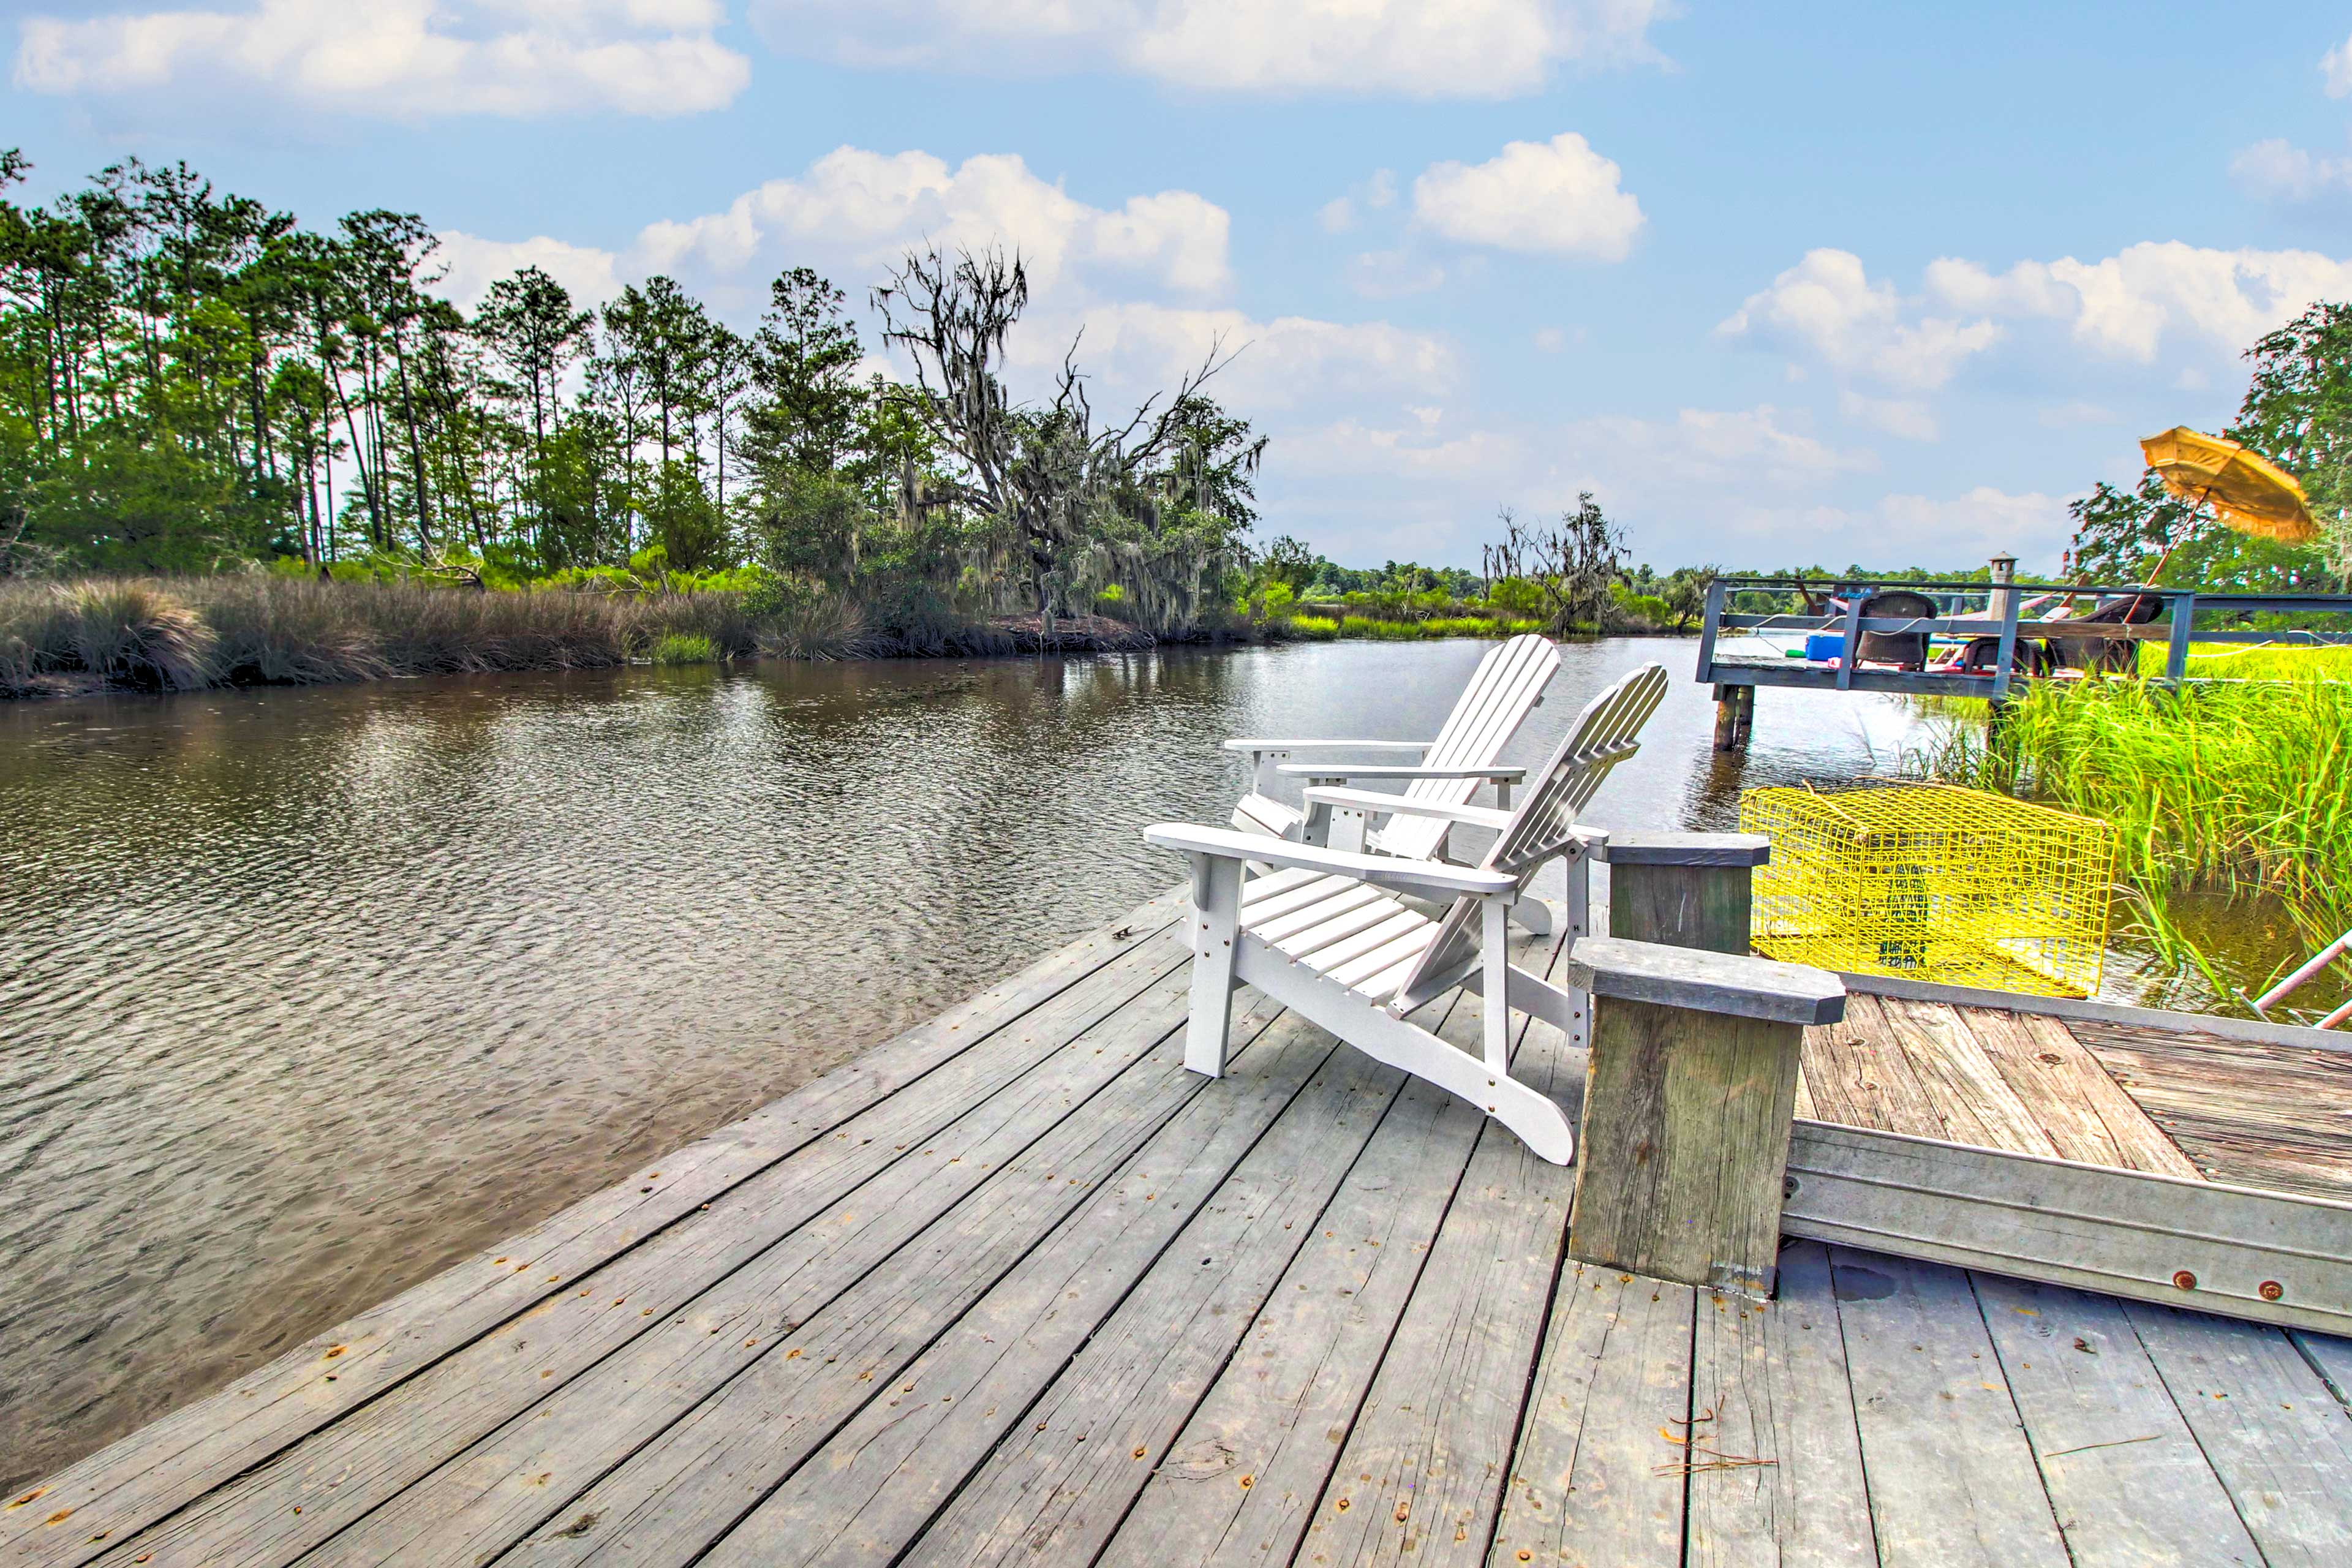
(1578, 1024)
(1494, 935)
(1216, 927)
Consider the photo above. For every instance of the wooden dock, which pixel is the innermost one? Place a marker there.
(1016, 1287)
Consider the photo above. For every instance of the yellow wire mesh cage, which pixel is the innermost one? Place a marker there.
(1931, 882)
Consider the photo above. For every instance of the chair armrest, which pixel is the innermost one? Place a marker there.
(1374, 801)
(1427, 876)
(1256, 748)
(1395, 770)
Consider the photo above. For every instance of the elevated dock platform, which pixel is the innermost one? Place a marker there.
(1015, 1287)
(1938, 637)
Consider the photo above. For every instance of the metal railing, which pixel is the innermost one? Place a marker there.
(2003, 620)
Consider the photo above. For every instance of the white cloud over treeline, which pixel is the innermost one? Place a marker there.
(403, 57)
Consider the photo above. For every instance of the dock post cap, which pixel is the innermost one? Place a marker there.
(1731, 983)
(1686, 849)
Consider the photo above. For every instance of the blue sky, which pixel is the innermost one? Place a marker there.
(1840, 283)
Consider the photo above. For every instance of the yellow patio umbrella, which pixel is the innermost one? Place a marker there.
(2245, 489)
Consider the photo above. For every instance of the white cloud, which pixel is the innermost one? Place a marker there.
(1704, 449)
(2336, 65)
(1352, 448)
(1550, 339)
(1688, 486)
(2033, 526)
(1558, 198)
(1387, 274)
(2282, 170)
(1827, 306)
(1900, 529)
(589, 275)
(862, 210)
(1286, 362)
(1423, 49)
(2127, 305)
(404, 58)
(1336, 215)
(1905, 417)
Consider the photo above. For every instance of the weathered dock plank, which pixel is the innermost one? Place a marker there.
(2254, 1112)
(2085, 1114)
(105, 1498)
(1771, 1396)
(1856, 1072)
(2125, 1477)
(2269, 1426)
(1058, 1470)
(1952, 1478)
(677, 1496)
(1288, 1396)
(2330, 1355)
(1420, 1476)
(827, 1317)
(1599, 1470)
(1965, 1090)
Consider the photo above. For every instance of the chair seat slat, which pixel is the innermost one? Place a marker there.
(1306, 941)
(1403, 923)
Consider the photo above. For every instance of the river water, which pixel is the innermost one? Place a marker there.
(306, 994)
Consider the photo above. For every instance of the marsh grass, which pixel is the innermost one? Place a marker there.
(2234, 789)
(270, 630)
(180, 634)
(2253, 661)
(683, 647)
(1378, 630)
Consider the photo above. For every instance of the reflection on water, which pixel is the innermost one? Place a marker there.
(306, 994)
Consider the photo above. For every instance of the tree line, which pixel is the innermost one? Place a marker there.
(190, 381)
(2297, 412)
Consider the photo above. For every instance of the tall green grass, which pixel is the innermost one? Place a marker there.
(2253, 661)
(1381, 630)
(2239, 788)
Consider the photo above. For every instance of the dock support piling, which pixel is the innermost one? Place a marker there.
(1689, 1099)
(1735, 716)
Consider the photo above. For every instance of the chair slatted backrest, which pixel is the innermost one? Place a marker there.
(1506, 688)
(1542, 825)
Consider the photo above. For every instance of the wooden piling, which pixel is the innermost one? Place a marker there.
(1688, 1101)
(1684, 890)
(1735, 716)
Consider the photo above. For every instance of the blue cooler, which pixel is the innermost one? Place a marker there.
(1822, 646)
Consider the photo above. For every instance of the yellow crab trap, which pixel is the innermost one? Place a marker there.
(1931, 882)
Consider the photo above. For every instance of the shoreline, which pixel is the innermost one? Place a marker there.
(159, 635)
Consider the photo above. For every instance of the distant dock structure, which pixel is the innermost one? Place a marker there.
(1965, 638)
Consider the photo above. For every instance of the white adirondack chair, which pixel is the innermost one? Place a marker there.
(1507, 686)
(1323, 933)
